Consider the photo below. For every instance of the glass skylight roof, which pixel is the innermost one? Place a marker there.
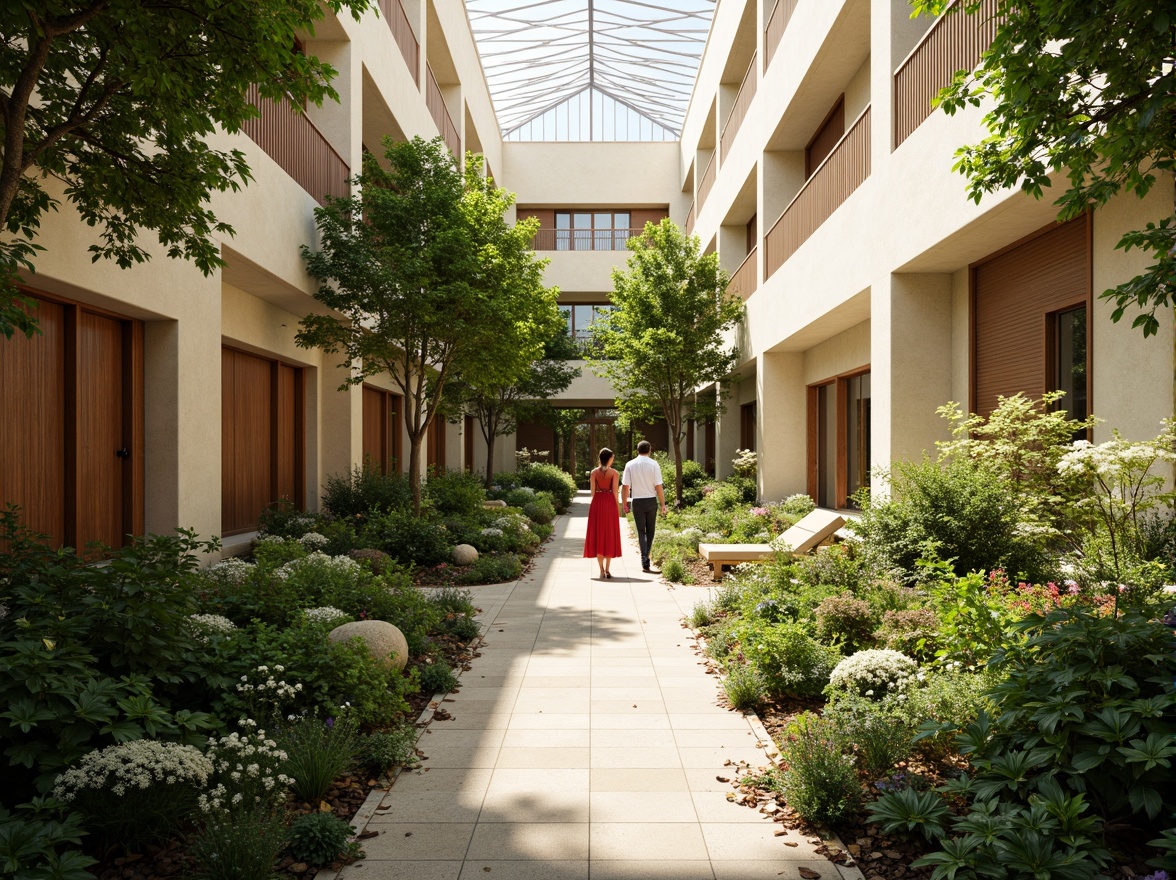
(590, 69)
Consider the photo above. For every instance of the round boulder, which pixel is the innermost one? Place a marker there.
(385, 641)
(465, 554)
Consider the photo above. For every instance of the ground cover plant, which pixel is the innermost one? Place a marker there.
(983, 683)
(182, 716)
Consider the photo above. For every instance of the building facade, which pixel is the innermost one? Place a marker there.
(809, 161)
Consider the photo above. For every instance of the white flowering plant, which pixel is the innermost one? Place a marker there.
(265, 694)
(206, 627)
(314, 541)
(874, 673)
(247, 772)
(326, 615)
(135, 792)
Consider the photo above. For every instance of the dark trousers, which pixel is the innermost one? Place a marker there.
(645, 519)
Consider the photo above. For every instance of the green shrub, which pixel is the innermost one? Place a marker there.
(798, 505)
(455, 493)
(243, 846)
(947, 700)
(450, 600)
(464, 627)
(437, 678)
(407, 537)
(283, 519)
(540, 510)
(834, 565)
(549, 478)
(263, 786)
(702, 614)
(722, 638)
(876, 737)
(744, 686)
(493, 568)
(115, 638)
(874, 673)
(381, 751)
(969, 514)
(914, 632)
(725, 496)
(318, 838)
(791, 661)
(39, 842)
(136, 792)
(317, 753)
(820, 782)
(364, 491)
(673, 570)
(518, 496)
(846, 621)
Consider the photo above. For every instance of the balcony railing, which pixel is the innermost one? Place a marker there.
(690, 219)
(435, 101)
(777, 23)
(583, 239)
(739, 110)
(291, 140)
(745, 279)
(832, 183)
(954, 42)
(393, 13)
(706, 181)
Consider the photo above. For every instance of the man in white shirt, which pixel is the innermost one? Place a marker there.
(642, 482)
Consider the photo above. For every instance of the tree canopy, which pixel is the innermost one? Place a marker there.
(666, 335)
(1087, 89)
(430, 281)
(116, 98)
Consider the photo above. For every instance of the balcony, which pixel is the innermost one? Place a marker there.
(835, 179)
(690, 220)
(583, 239)
(291, 139)
(954, 42)
(745, 280)
(777, 24)
(739, 110)
(440, 113)
(393, 13)
(706, 181)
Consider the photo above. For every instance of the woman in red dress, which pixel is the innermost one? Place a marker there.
(604, 521)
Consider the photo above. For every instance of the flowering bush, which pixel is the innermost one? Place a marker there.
(246, 771)
(791, 661)
(264, 694)
(207, 626)
(327, 616)
(874, 673)
(845, 621)
(798, 505)
(913, 632)
(232, 571)
(745, 462)
(314, 541)
(137, 791)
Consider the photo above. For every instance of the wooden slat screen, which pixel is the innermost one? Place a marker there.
(744, 280)
(262, 438)
(435, 442)
(707, 180)
(1012, 295)
(747, 426)
(381, 428)
(551, 240)
(99, 427)
(739, 108)
(842, 172)
(777, 23)
(955, 42)
(393, 13)
(435, 101)
(291, 139)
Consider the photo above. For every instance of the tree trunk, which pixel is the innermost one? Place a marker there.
(490, 459)
(414, 470)
(677, 435)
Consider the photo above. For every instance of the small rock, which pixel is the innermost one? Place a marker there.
(809, 874)
(891, 854)
(465, 554)
(791, 843)
(300, 867)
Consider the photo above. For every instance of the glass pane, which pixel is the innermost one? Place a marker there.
(583, 240)
(563, 241)
(1071, 361)
(621, 220)
(563, 220)
(583, 221)
(857, 441)
(603, 221)
(827, 446)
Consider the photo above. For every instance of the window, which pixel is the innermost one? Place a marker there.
(1068, 343)
(580, 318)
(839, 439)
(591, 230)
(747, 426)
(826, 138)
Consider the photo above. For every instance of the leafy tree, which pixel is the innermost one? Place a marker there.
(1089, 90)
(430, 280)
(516, 388)
(665, 335)
(115, 99)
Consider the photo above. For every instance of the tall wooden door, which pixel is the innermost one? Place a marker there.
(71, 436)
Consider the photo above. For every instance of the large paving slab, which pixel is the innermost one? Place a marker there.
(585, 743)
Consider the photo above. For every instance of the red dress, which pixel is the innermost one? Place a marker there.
(604, 521)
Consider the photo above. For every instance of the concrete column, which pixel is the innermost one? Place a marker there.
(340, 424)
(910, 365)
(781, 435)
(341, 122)
(727, 437)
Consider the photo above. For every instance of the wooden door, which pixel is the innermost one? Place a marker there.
(247, 430)
(32, 430)
(470, 428)
(102, 451)
(287, 433)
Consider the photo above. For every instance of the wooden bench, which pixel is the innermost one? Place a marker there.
(803, 537)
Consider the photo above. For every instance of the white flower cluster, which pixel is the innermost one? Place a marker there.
(247, 768)
(513, 521)
(326, 614)
(313, 541)
(269, 688)
(526, 490)
(691, 532)
(491, 533)
(1114, 458)
(320, 563)
(874, 673)
(3, 611)
(232, 571)
(204, 626)
(134, 766)
(271, 539)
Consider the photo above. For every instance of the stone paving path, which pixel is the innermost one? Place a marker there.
(585, 742)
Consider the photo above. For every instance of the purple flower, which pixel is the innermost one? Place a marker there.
(330, 723)
(759, 511)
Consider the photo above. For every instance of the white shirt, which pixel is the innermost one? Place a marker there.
(642, 475)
